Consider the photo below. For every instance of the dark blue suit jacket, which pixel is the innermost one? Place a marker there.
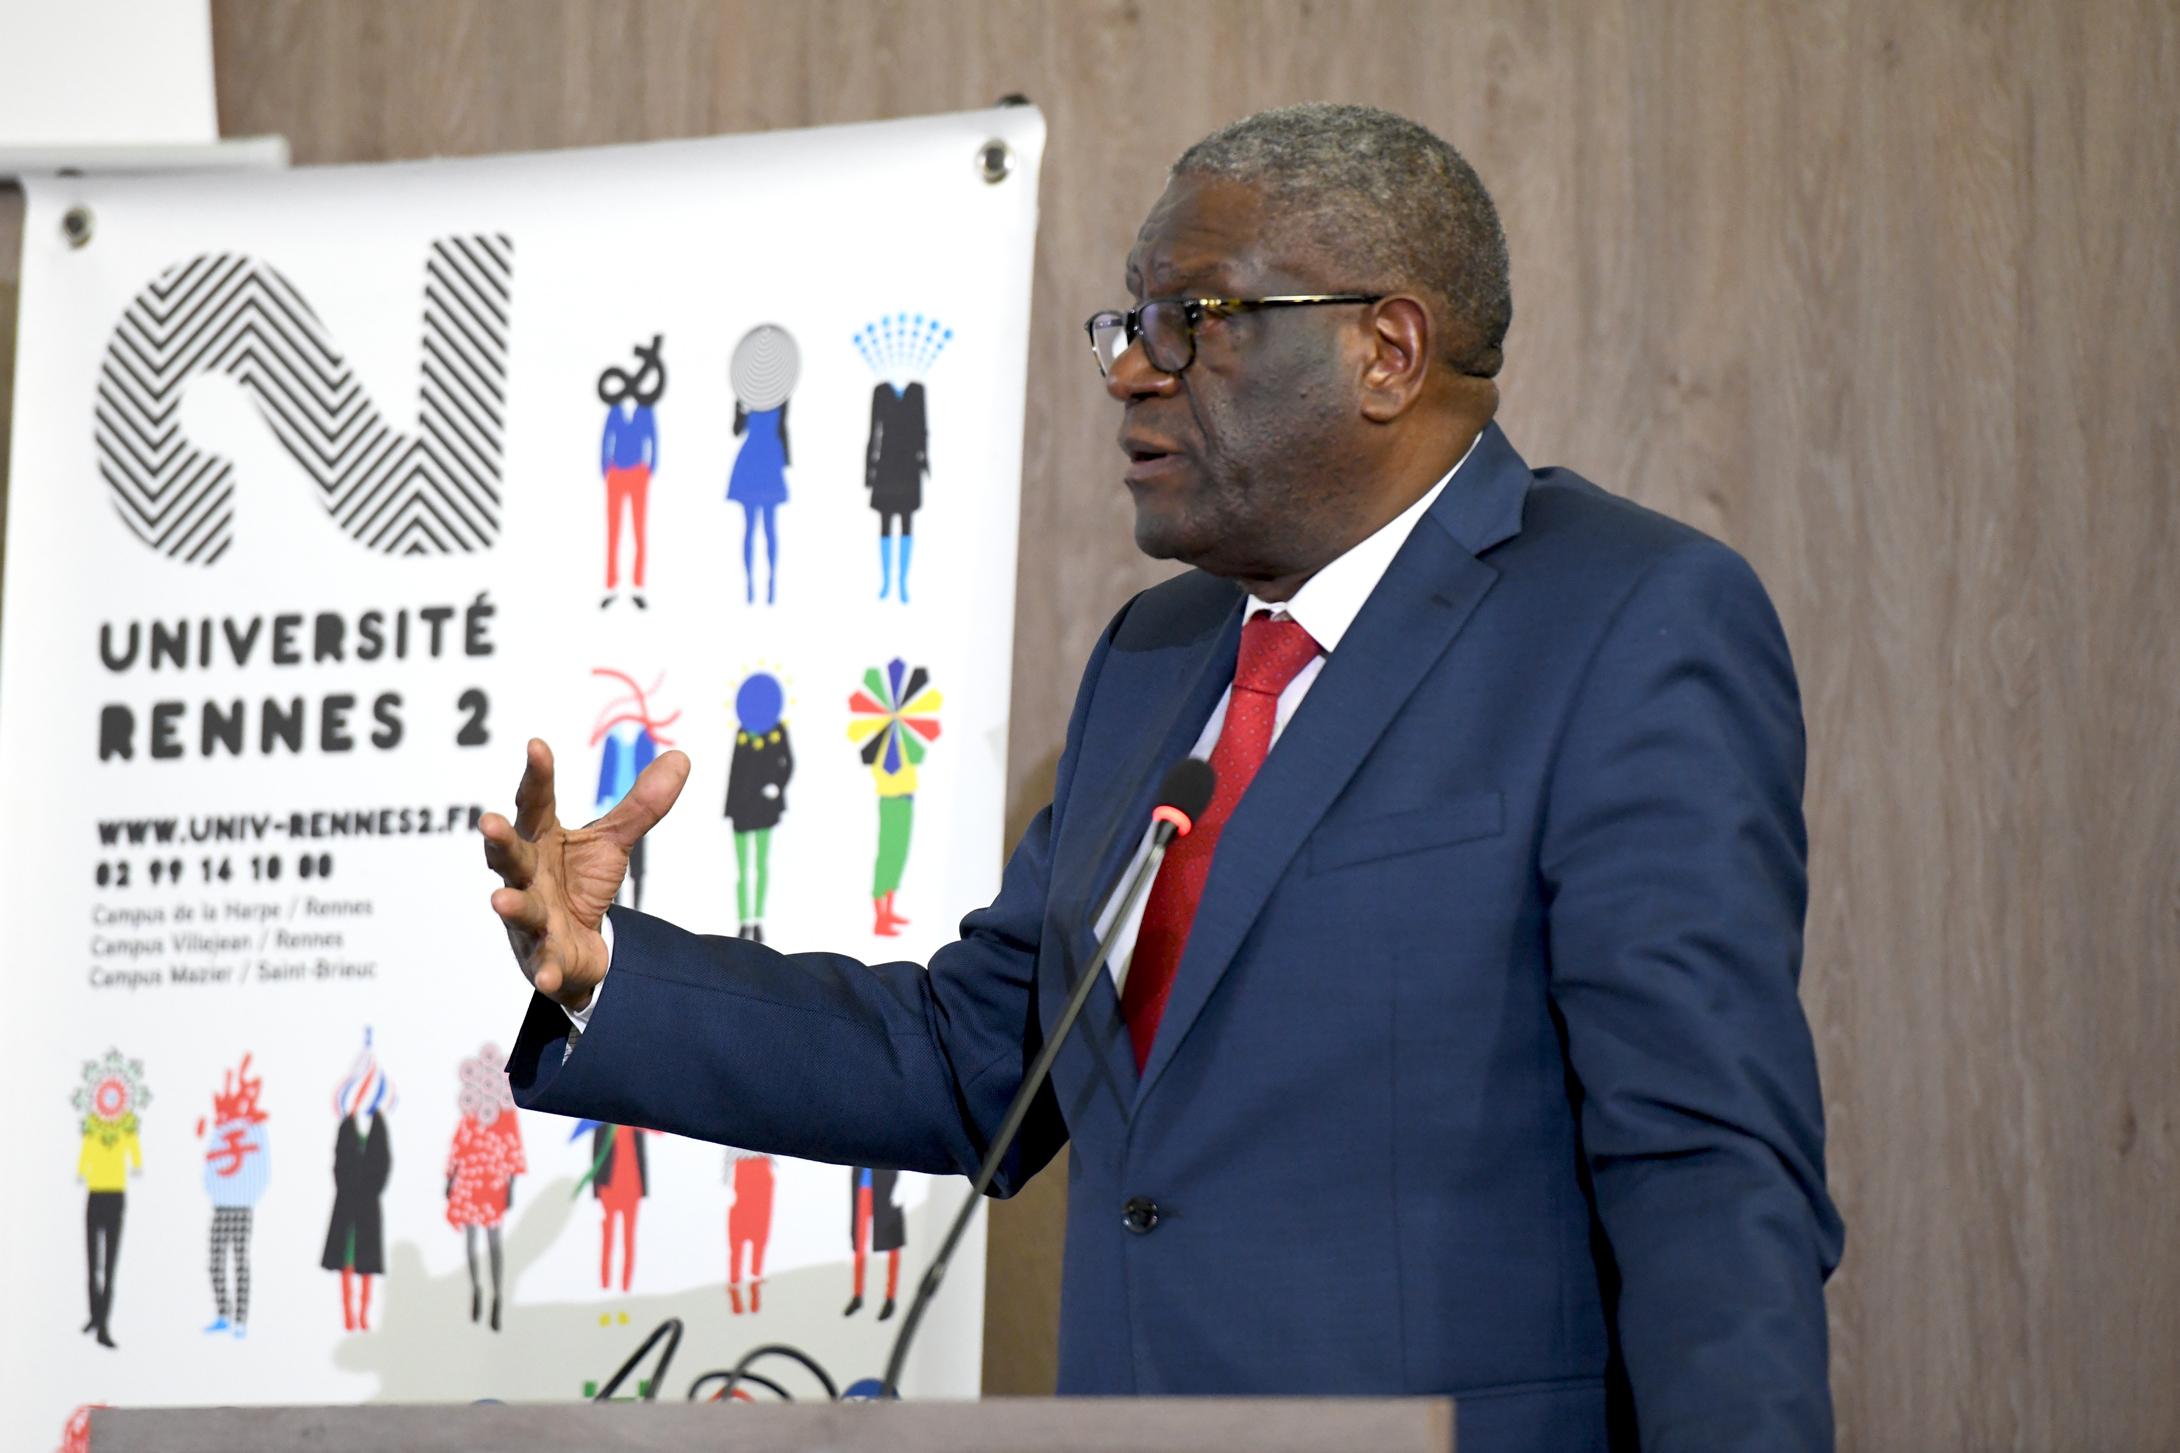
(1484, 1071)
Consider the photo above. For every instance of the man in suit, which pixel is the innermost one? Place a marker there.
(1458, 1050)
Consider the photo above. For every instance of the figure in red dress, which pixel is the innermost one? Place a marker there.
(482, 1164)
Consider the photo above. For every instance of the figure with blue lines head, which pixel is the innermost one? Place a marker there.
(900, 348)
(763, 372)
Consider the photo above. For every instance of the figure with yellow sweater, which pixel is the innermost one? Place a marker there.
(895, 718)
(108, 1099)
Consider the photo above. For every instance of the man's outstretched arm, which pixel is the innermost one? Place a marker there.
(814, 1055)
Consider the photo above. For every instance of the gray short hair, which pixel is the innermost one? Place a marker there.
(1386, 196)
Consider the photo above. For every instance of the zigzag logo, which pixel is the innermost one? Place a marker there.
(430, 493)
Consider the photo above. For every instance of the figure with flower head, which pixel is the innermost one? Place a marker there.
(482, 1164)
(363, 1159)
(107, 1102)
(894, 718)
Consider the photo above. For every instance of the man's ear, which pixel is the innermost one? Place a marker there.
(1399, 350)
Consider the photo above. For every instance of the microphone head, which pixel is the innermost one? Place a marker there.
(1188, 787)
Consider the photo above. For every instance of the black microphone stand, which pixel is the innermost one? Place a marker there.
(1032, 1082)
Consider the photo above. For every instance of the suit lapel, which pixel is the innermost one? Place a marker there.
(1207, 668)
(1410, 620)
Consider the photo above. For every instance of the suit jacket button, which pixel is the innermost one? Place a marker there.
(1139, 1214)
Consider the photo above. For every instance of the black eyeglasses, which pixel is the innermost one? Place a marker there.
(1167, 326)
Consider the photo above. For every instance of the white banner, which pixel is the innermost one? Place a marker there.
(328, 490)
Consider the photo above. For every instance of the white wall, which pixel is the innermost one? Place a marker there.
(105, 72)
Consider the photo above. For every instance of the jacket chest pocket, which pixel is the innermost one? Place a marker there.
(1462, 819)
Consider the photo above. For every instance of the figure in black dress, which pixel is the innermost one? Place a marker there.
(899, 348)
(898, 461)
(363, 1159)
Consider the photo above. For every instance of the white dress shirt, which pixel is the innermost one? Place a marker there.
(1325, 606)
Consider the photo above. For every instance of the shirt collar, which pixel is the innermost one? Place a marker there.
(1329, 601)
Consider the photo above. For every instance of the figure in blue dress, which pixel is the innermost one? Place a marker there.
(763, 372)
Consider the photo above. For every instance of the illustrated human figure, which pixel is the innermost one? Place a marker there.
(763, 372)
(749, 1224)
(237, 1162)
(107, 1102)
(628, 736)
(757, 792)
(875, 1223)
(619, 1179)
(899, 348)
(363, 1158)
(895, 718)
(482, 1164)
(899, 458)
(628, 455)
(76, 1432)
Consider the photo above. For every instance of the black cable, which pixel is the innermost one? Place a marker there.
(669, 1329)
(736, 1378)
(777, 1349)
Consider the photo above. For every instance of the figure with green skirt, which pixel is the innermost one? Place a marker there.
(894, 718)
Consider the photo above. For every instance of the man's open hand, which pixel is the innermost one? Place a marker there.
(559, 880)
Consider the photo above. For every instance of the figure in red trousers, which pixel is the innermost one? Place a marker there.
(628, 455)
(875, 1224)
(749, 1224)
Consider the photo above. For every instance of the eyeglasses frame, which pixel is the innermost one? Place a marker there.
(1195, 310)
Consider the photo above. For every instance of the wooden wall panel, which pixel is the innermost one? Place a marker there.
(1883, 294)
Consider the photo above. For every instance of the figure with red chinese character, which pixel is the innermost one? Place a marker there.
(363, 1159)
(481, 1168)
(236, 1163)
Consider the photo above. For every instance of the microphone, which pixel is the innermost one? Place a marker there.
(1182, 797)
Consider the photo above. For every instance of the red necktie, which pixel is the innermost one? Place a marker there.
(1273, 653)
